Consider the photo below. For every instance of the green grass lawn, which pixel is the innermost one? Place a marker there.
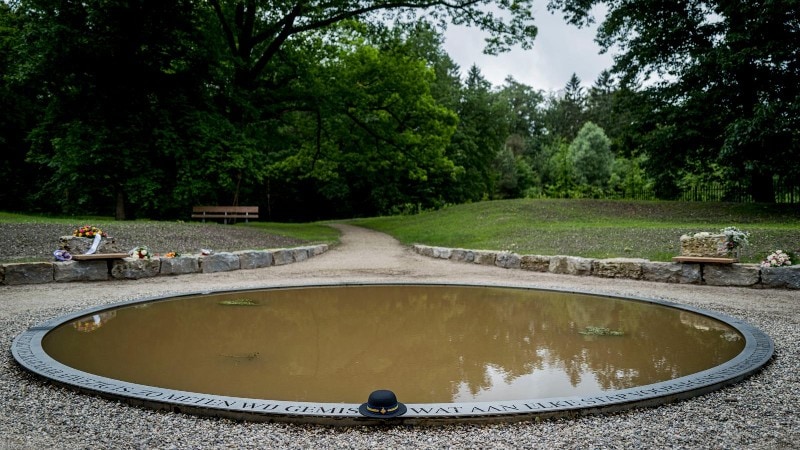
(589, 228)
(316, 232)
(594, 228)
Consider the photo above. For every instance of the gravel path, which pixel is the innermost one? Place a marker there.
(757, 413)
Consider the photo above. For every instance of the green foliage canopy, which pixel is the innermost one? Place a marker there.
(726, 76)
(154, 106)
(591, 157)
(375, 139)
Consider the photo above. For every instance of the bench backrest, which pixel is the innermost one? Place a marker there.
(226, 209)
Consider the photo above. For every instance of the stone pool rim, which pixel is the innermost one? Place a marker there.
(758, 351)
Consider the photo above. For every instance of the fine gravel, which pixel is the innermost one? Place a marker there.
(38, 241)
(760, 412)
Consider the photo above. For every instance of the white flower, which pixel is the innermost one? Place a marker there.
(776, 259)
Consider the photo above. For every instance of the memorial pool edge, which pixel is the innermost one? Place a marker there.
(758, 351)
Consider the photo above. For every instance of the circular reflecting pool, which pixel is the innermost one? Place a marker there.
(447, 351)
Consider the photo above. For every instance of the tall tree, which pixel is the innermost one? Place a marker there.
(110, 72)
(524, 115)
(728, 80)
(194, 98)
(18, 109)
(617, 108)
(255, 31)
(565, 114)
(591, 158)
(374, 141)
(260, 36)
(481, 133)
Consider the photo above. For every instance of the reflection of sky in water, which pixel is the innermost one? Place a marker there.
(427, 344)
(539, 384)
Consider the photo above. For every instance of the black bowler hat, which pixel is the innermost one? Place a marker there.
(382, 404)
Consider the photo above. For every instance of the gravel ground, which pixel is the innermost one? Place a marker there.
(759, 412)
(37, 241)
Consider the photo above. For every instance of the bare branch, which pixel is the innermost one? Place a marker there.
(226, 28)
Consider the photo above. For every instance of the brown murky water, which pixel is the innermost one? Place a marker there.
(429, 344)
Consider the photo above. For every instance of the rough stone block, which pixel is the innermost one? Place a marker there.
(508, 260)
(462, 255)
(317, 250)
(618, 268)
(135, 268)
(299, 254)
(180, 265)
(704, 245)
(254, 259)
(424, 250)
(535, 263)
(80, 271)
(485, 257)
(219, 262)
(570, 265)
(282, 256)
(781, 277)
(442, 252)
(28, 273)
(731, 274)
(664, 272)
(691, 274)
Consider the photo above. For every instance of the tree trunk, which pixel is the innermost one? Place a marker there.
(119, 213)
(761, 187)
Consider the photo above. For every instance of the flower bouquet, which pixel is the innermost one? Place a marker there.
(778, 258)
(89, 231)
(735, 238)
(141, 252)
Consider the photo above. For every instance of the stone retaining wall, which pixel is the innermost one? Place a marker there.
(748, 275)
(134, 268)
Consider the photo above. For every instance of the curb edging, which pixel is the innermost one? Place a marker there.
(130, 268)
(742, 275)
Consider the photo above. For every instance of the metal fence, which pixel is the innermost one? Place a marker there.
(723, 192)
(716, 192)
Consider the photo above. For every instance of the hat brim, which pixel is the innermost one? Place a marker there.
(401, 409)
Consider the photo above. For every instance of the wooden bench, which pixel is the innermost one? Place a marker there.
(95, 256)
(704, 260)
(225, 212)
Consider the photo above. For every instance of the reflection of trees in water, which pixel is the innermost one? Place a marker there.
(422, 342)
(656, 346)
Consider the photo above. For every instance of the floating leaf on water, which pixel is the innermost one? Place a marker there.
(247, 356)
(239, 302)
(601, 331)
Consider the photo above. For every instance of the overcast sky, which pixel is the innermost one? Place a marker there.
(558, 51)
